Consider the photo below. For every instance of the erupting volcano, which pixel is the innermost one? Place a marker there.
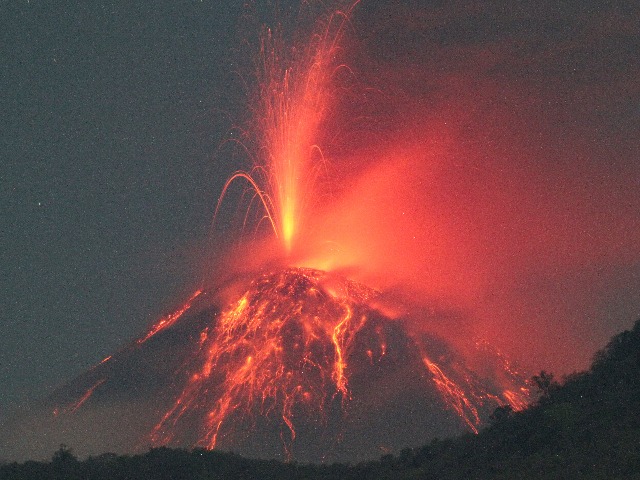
(290, 360)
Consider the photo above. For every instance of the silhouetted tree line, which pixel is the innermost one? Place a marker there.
(585, 427)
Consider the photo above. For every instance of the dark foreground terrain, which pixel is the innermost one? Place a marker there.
(586, 427)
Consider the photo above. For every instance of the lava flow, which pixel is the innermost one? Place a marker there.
(302, 364)
(283, 344)
(285, 352)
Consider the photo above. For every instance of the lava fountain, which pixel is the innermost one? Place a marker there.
(296, 91)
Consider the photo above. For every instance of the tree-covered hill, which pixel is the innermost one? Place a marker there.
(587, 427)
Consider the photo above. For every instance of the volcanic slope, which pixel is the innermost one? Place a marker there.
(299, 364)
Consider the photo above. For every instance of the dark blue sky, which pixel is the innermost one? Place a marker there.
(112, 116)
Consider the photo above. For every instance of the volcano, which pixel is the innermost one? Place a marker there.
(293, 364)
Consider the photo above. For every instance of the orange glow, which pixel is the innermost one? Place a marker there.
(288, 225)
(281, 349)
(394, 249)
(166, 322)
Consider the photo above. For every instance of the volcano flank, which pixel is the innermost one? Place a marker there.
(301, 364)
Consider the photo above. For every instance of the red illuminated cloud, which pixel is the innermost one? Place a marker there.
(500, 172)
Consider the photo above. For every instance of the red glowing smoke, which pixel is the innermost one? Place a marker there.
(456, 175)
(492, 181)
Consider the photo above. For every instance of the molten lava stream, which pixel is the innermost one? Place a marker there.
(454, 396)
(281, 349)
(166, 322)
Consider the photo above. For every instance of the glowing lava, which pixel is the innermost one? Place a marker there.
(300, 363)
(81, 401)
(284, 350)
(283, 344)
(295, 94)
(167, 321)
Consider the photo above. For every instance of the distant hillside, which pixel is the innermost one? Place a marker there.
(586, 427)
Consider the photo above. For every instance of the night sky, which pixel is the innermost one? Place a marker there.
(112, 118)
